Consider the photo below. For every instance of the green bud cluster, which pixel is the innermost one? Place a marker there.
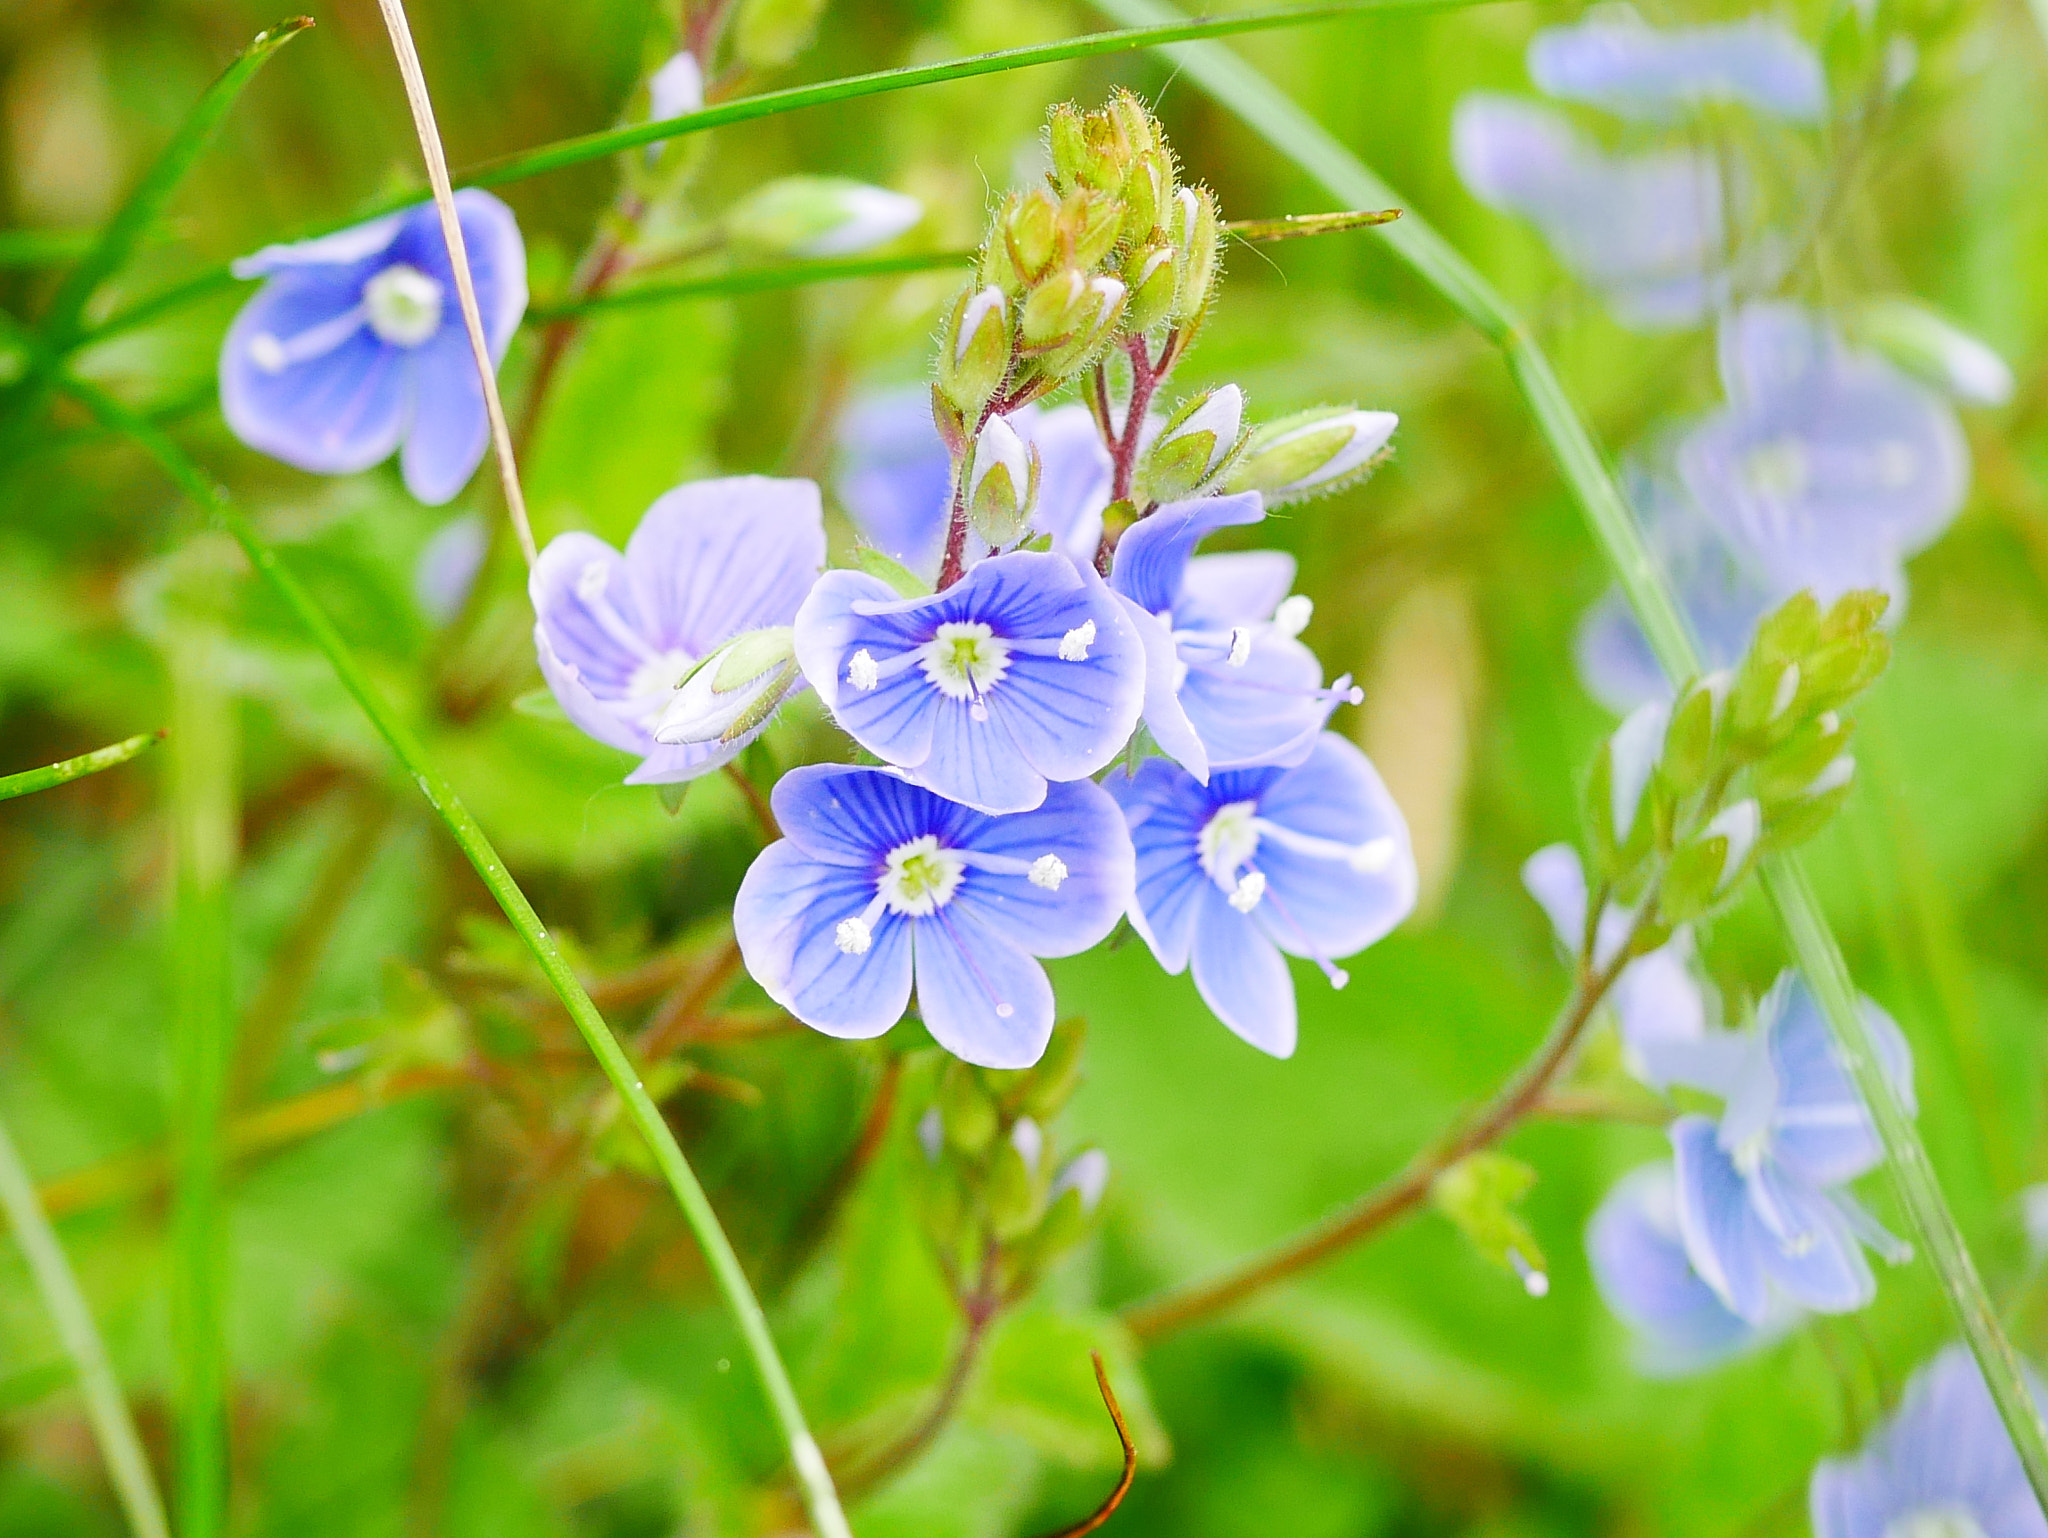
(994, 1203)
(1681, 806)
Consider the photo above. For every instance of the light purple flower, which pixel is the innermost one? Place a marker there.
(896, 478)
(1649, 231)
(1943, 1467)
(1023, 672)
(1640, 1266)
(1312, 860)
(356, 345)
(1759, 1196)
(447, 566)
(1611, 58)
(1657, 999)
(616, 633)
(1828, 467)
(1227, 685)
(877, 881)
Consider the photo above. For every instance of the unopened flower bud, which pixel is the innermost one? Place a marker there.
(1055, 309)
(1149, 278)
(1148, 186)
(673, 90)
(1030, 225)
(1311, 452)
(975, 352)
(1196, 234)
(1067, 141)
(1086, 1175)
(1001, 480)
(1102, 309)
(1195, 445)
(1926, 343)
(733, 690)
(814, 216)
(1028, 1138)
(1090, 224)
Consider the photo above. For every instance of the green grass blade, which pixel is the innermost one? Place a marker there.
(729, 1275)
(755, 280)
(127, 1464)
(31, 780)
(205, 819)
(1289, 130)
(43, 248)
(135, 217)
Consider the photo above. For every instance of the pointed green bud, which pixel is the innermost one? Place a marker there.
(1195, 232)
(907, 583)
(1311, 452)
(820, 216)
(1707, 868)
(1031, 230)
(974, 354)
(732, 690)
(1924, 342)
(1194, 446)
(1149, 278)
(1689, 741)
(1066, 137)
(1002, 479)
(1089, 224)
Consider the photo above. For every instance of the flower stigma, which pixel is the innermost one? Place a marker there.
(964, 659)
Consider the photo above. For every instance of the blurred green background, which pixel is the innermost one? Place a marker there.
(457, 1304)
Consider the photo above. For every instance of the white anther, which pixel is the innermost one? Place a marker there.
(591, 581)
(1374, 855)
(1339, 978)
(1251, 886)
(1004, 1011)
(1292, 616)
(1075, 643)
(1240, 645)
(862, 671)
(1048, 871)
(267, 353)
(853, 937)
(1534, 1282)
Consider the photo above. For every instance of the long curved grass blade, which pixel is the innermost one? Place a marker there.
(1289, 130)
(112, 1426)
(754, 280)
(62, 773)
(43, 248)
(726, 1271)
(132, 221)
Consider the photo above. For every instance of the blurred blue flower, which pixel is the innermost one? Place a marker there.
(447, 566)
(896, 478)
(1227, 685)
(1640, 1266)
(1657, 999)
(1611, 58)
(1827, 467)
(1759, 1198)
(1942, 1467)
(1313, 860)
(1025, 671)
(1648, 231)
(356, 345)
(616, 633)
(876, 879)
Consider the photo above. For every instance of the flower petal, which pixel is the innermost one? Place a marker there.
(852, 815)
(968, 976)
(713, 558)
(1724, 1241)
(1084, 829)
(1241, 976)
(333, 414)
(450, 429)
(1164, 808)
(1269, 710)
(583, 595)
(785, 917)
(1242, 587)
(1152, 556)
(1324, 906)
(1164, 718)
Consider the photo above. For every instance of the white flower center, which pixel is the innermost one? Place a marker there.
(1949, 1520)
(1778, 470)
(1228, 840)
(402, 305)
(921, 877)
(964, 660)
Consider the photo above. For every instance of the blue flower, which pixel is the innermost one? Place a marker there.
(1648, 231)
(1657, 999)
(1023, 672)
(1640, 1266)
(1758, 1194)
(1313, 860)
(356, 345)
(877, 879)
(616, 633)
(1227, 685)
(1612, 59)
(896, 478)
(1828, 466)
(1943, 1467)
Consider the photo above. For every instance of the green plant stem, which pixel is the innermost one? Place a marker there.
(127, 1464)
(1289, 130)
(32, 780)
(752, 280)
(205, 826)
(730, 1277)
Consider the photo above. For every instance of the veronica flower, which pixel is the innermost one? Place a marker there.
(1828, 466)
(1611, 58)
(1023, 672)
(1758, 1194)
(1312, 860)
(897, 478)
(1640, 1266)
(1943, 1467)
(617, 634)
(877, 882)
(1657, 999)
(356, 345)
(1227, 685)
(1649, 231)
(447, 566)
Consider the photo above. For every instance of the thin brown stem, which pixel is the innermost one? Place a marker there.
(1107, 1509)
(1387, 1203)
(764, 814)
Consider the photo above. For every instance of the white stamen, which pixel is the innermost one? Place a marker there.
(1075, 643)
(1339, 978)
(862, 671)
(1534, 1282)
(853, 937)
(1240, 645)
(274, 354)
(1374, 855)
(267, 353)
(1251, 886)
(1004, 1011)
(1292, 616)
(1048, 871)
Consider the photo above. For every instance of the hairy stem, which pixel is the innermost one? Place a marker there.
(127, 1463)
